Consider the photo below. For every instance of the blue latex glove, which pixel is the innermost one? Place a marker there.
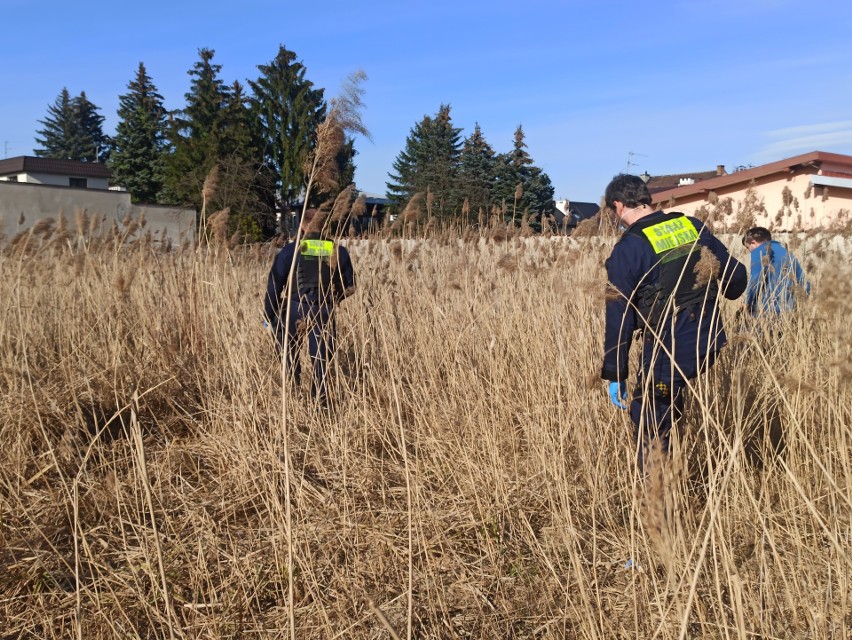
(618, 394)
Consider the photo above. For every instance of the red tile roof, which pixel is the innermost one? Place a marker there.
(840, 166)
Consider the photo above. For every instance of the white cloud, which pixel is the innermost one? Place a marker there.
(804, 138)
(810, 129)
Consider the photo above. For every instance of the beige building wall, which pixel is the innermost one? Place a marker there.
(781, 203)
(22, 205)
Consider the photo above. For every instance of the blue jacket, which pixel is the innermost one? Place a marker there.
(696, 334)
(773, 279)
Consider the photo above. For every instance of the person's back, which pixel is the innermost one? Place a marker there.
(774, 276)
(307, 279)
(666, 272)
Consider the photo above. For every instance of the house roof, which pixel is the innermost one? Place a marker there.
(30, 164)
(584, 209)
(839, 166)
(662, 183)
(574, 212)
(374, 198)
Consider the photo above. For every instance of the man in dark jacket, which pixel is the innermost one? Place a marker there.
(665, 273)
(308, 278)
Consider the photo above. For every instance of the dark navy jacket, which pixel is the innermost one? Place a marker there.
(697, 333)
(283, 268)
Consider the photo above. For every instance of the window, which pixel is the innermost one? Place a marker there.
(79, 183)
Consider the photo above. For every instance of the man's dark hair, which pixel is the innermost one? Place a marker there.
(758, 234)
(629, 190)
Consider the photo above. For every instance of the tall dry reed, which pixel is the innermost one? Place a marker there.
(470, 480)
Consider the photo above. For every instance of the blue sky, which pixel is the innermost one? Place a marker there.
(682, 85)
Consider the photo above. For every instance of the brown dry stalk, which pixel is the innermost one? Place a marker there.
(210, 186)
(342, 204)
(359, 207)
(508, 262)
(323, 166)
(706, 269)
(318, 224)
(469, 474)
(218, 225)
(414, 209)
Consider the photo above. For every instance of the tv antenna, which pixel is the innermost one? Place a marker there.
(630, 163)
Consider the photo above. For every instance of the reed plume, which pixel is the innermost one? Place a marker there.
(318, 223)
(341, 208)
(414, 209)
(706, 269)
(218, 224)
(81, 221)
(344, 116)
(208, 190)
(44, 227)
(359, 207)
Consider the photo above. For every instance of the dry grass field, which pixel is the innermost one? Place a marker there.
(471, 480)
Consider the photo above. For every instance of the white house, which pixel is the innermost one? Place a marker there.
(58, 173)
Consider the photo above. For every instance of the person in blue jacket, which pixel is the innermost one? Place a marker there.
(775, 275)
(308, 278)
(665, 274)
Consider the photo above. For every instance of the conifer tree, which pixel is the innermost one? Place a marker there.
(245, 184)
(93, 144)
(521, 185)
(288, 110)
(138, 156)
(59, 129)
(409, 165)
(194, 133)
(429, 163)
(477, 173)
(235, 123)
(73, 130)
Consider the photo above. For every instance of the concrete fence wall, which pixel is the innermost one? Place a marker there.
(22, 205)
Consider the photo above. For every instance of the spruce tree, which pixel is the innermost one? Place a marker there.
(477, 173)
(429, 164)
(409, 165)
(235, 124)
(138, 156)
(73, 130)
(206, 97)
(538, 193)
(288, 109)
(245, 185)
(59, 129)
(92, 144)
(194, 134)
(441, 174)
(520, 185)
